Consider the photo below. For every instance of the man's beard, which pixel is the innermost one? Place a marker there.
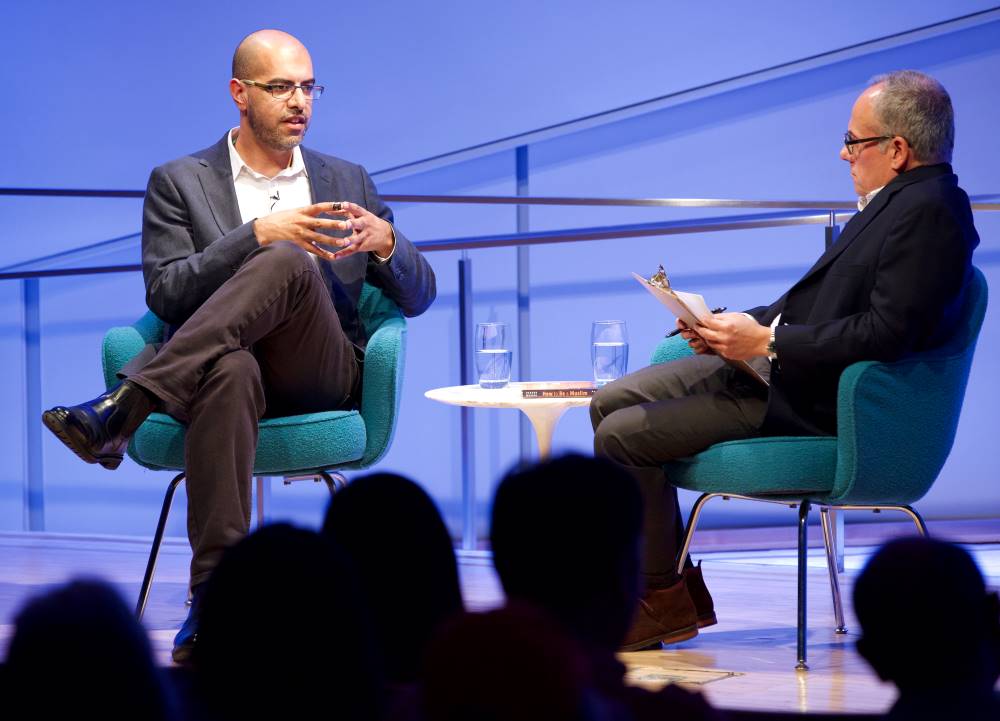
(271, 136)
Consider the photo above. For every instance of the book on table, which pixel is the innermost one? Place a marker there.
(690, 308)
(558, 389)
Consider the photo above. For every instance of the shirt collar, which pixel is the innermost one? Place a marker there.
(238, 165)
(863, 201)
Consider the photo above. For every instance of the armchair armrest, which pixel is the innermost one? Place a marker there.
(120, 345)
(123, 343)
(670, 349)
(382, 387)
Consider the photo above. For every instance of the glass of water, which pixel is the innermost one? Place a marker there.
(608, 350)
(493, 355)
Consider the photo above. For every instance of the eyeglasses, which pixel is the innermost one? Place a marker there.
(283, 91)
(850, 141)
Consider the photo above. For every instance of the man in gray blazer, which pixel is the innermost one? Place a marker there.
(254, 253)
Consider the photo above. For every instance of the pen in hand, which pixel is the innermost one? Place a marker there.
(675, 331)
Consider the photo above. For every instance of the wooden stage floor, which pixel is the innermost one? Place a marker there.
(746, 661)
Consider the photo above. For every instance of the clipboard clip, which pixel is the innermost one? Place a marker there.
(659, 279)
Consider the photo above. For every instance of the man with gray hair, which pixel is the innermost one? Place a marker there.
(891, 285)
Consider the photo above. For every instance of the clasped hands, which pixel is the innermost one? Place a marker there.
(735, 336)
(368, 232)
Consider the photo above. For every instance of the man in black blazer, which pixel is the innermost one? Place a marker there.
(892, 284)
(254, 252)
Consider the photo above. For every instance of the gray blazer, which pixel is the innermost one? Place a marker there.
(193, 239)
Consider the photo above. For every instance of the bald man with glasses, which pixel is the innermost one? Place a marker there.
(254, 252)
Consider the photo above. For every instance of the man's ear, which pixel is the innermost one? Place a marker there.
(901, 153)
(239, 92)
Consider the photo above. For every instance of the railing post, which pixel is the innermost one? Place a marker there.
(467, 376)
(34, 489)
(832, 230)
(523, 298)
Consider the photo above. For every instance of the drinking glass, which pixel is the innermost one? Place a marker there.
(493, 355)
(608, 350)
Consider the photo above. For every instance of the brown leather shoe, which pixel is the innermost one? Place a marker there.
(703, 605)
(664, 615)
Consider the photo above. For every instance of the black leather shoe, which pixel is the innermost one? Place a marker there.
(187, 636)
(98, 430)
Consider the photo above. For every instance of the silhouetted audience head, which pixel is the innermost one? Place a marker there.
(565, 536)
(405, 561)
(78, 652)
(507, 665)
(927, 620)
(284, 633)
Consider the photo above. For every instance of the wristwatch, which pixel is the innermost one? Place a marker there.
(772, 350)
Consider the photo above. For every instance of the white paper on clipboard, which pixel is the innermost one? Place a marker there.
(691, 308)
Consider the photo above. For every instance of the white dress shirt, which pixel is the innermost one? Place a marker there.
(258, 195)
(865, 199)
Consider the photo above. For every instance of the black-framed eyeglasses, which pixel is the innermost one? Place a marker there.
(283, 91)
(850, 141)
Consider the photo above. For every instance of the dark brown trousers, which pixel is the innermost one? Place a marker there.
(268, 342)
(670, 411)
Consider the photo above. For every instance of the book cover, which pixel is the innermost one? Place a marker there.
(558, 389)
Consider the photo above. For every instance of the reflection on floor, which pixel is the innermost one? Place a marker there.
(746, 661)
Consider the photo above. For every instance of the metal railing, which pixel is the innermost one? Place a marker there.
(825, 213)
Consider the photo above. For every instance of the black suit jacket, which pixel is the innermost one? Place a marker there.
(891, 285)
(193, 239)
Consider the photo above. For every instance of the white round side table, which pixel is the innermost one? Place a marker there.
(544, 413)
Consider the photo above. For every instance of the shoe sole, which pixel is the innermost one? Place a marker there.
(71, 438)
(678, 636)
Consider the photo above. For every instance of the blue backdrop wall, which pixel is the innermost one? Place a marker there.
(101, 93)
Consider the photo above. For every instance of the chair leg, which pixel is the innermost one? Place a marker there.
(689, 531)
(263, 496)
(830, 541)
(334, 480)
(917, 519)
(800, 635)
(839, 537)
(154, 552)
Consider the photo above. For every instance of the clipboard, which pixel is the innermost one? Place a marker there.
(691, 308)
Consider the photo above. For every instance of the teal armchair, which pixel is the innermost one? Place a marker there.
(311, 446)
(896, 424)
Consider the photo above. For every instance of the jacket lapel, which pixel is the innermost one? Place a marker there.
(216, 178)
(320, 177)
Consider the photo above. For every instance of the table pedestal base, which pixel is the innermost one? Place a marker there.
(544, 421)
